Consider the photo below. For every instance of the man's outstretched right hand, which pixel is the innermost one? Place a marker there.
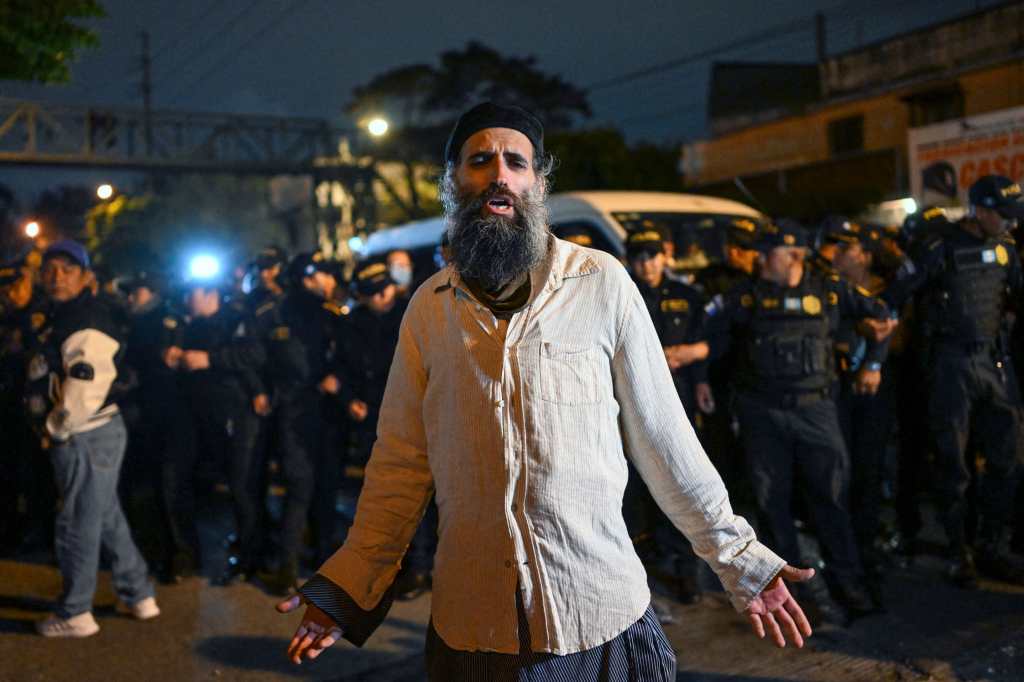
(316, 632)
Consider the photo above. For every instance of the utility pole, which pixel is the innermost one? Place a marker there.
(820, 37)
(147, 93)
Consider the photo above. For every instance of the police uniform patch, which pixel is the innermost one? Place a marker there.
(170, 322)
(746, 300)
(372, 271)
(769, 303)
(280, 333)
(862, 291)
(1002, 257)
(833, 298)
(811, 304)
(675, 305)
(37, 320)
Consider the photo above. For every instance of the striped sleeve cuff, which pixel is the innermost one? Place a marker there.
(356, 624)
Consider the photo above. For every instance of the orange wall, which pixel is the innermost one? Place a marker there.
(801, 140)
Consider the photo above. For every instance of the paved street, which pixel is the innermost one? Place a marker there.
(931, 632)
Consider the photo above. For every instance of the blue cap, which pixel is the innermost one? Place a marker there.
(69, 248)
(781, 232)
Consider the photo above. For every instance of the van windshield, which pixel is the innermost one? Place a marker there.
(699, 238)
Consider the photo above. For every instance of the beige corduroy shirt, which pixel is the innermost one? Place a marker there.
(522, 427)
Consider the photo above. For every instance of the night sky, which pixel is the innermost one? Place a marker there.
(303, 57)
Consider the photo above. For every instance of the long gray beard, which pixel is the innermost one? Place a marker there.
(494, 250)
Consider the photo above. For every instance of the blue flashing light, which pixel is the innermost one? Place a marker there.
(204, 267)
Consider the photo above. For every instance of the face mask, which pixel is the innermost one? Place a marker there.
(401, 275)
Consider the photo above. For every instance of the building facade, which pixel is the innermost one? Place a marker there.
(844, 146)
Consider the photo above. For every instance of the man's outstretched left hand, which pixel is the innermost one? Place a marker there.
(776, 613)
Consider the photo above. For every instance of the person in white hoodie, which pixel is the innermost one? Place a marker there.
(71, 377)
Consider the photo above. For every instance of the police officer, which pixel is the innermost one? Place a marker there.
(269, 266)
(369, 346)
(865, 399)
(716, 403)
(784, 321)
(217, 378)
(969, 277)
(26, 497)
(675, 309)
(402, 272)
(297, 338)
(157, 408)
(908, 366)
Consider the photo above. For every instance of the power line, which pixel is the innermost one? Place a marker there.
(273, 23)
(217, 36)
(188, 30)
(784, 29)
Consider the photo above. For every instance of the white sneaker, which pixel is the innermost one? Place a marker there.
(144, 609)
(82, 625)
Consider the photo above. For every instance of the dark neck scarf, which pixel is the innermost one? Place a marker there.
(504, 301)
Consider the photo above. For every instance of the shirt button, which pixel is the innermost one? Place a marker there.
(499, 402)
(508, 564)
(515, 507)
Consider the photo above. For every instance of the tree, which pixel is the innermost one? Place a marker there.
(62, 210)
(601, 159)
(39, 39)
(423, 101)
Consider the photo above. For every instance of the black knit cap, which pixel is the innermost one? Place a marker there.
(491, 115)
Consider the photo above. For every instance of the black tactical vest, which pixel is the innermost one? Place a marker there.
(789, 345)
(968, 304)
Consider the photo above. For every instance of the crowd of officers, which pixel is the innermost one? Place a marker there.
(832, 374)
(279, 387)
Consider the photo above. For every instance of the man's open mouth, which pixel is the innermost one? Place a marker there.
(499, 206)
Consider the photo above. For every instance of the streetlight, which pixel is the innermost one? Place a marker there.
(105, 191)
(378, 127)
(32, 229)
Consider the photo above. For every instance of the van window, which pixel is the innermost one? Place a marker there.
(581, 227)
(699, 238)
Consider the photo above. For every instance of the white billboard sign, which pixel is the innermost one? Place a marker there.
(946, 158)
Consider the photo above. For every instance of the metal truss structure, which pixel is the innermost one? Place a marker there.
(36, 133)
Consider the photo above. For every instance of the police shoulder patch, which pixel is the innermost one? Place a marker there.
(1002, 257)
(170, 322)
(833, 298)
(280, 333)
(37, 320)
(746, 300)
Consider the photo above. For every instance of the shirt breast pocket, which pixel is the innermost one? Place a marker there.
(573, 375)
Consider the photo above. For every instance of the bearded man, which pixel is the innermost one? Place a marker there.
(525, 371)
